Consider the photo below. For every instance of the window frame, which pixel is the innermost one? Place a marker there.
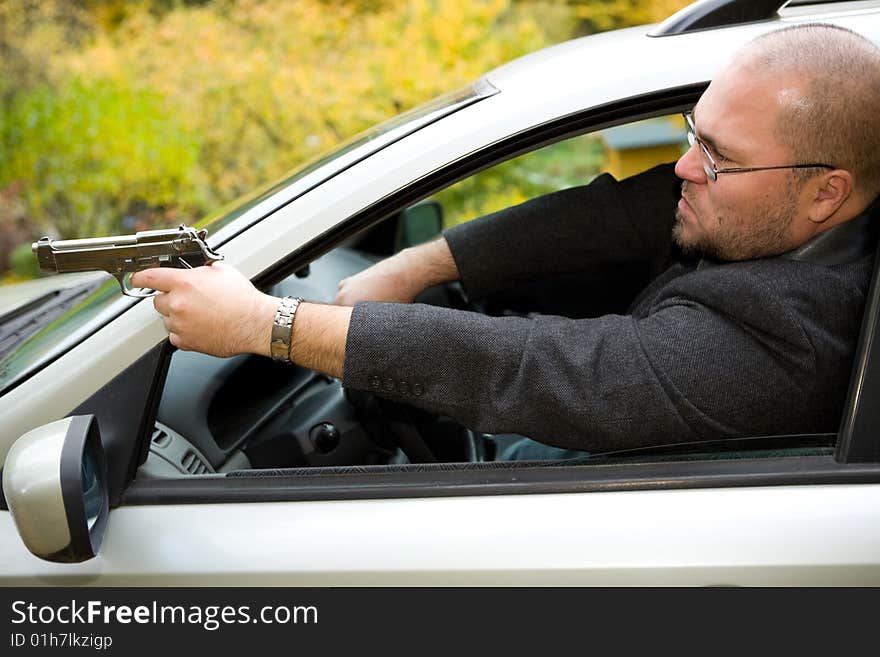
(858, 439)
(380, 482)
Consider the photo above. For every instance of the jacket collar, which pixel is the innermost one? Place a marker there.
(847, 242)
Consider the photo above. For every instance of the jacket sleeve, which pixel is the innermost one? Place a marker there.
(575, 230)
(688, 370)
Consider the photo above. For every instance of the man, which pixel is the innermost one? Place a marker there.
(753, 292)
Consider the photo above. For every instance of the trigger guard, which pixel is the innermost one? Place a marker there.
(131, 291)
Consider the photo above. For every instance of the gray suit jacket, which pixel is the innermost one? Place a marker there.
(706, 350)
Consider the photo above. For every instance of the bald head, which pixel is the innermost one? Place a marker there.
(830, 99)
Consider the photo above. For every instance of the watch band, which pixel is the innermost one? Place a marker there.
(282, 329)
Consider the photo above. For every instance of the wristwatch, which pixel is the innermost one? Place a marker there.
(282, 329)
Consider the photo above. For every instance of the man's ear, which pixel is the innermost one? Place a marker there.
(831, 191)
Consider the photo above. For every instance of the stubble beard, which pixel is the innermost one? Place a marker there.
(760, 234)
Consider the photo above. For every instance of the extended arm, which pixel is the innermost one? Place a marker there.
(217, 311)
(694, 367)
(687, 370)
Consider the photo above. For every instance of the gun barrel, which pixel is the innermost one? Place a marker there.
(123, 253)
(83, 254)
(45, 256)
(108, 258)
(95, 243)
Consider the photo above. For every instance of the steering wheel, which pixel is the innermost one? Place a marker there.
(401, 423)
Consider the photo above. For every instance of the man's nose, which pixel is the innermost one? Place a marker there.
(690, 166)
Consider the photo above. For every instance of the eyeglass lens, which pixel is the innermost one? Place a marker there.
(705, 156)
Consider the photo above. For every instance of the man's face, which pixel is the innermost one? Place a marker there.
(744, 215)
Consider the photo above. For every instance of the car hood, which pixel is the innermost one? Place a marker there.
(27, 307)
(16, 296)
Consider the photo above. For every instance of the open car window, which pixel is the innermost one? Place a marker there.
(251, 414)
(30, 344)
(622, 151)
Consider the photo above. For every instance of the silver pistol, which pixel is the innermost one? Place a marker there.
(123, 255)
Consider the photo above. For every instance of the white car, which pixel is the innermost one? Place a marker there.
(142, 465)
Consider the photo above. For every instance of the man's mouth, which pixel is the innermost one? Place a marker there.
(683, 204)
(685, 210)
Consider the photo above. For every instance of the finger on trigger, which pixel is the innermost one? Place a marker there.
(161, 279)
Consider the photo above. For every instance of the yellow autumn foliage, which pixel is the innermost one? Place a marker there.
(268, 85)
(602, 15)
(117, 112)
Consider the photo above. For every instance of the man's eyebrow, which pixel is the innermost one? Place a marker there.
(713, 143)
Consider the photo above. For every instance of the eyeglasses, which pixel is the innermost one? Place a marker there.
(711, 168)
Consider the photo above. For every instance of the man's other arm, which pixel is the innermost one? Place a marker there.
(577, 230)
(588, 230)
(401, 277)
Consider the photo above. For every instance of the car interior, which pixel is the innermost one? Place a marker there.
(247, 413)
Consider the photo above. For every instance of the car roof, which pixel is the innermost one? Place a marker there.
(603, 68)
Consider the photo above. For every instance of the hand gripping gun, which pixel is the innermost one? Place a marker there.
(123, 255)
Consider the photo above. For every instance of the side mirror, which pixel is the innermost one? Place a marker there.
(55, 483)
(420, 223)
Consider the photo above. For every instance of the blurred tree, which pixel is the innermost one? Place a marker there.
(14, 228)
(178, 106)
(268, 85)
(602, 15)
(90, 149)
(34, 36)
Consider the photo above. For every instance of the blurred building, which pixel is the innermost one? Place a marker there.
(637, 146)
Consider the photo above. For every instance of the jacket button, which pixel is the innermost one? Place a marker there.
(375, 382)
(389, 385)
(403, 388)
(418, 389)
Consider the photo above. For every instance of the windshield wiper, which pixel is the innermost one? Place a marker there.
(24, 308)
(20, 323)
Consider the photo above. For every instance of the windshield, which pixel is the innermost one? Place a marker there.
(105, 303)
(229, 221)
